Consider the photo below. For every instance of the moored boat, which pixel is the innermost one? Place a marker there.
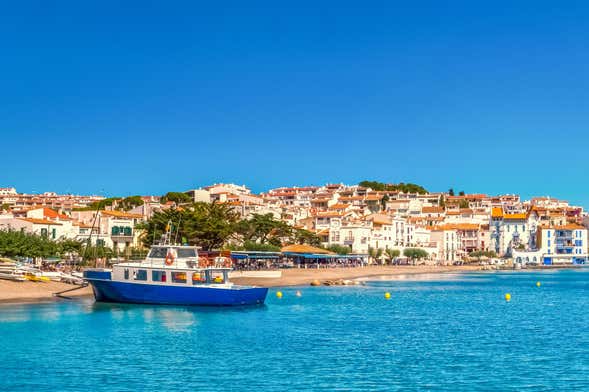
(173, 275)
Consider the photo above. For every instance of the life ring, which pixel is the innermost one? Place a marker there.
(203, 261)
(170, 257)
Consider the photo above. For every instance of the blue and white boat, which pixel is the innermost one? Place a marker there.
(173, 275)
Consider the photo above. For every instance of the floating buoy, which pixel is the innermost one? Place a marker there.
(538, 284)
(387, 295)
(279, 294)
(508, 297)
(298, 293)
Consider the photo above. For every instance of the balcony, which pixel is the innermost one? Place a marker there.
(349, 241)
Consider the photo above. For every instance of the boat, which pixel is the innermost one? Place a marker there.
(34, 276)
(172, 275)
(11, 272)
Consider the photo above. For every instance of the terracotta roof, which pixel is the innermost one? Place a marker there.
(457, 226)
(515, 216)
(434, 209)
(305, 249)
(339, 206)
(120, 214)
(40, 221)
(496, 212)
(570, 226)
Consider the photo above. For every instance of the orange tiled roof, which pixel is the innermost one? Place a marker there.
(305, 249)
(497, 212)
(515, 216)
(434, 209)
(41, 221)
(121, 214)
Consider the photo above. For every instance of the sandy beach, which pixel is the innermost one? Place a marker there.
(19, 292)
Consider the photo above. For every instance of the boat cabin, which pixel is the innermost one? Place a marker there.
(174, 265)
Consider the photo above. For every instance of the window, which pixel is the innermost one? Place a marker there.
(183, 253)
(158, 276)
(179, 277)
(53, 233)
(43, 232)
(158, 252)
(199, 277)
(217, 277)
(548, 234)
(126, 273)
(548, 242)
(140, 275)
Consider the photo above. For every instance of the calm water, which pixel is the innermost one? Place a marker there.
(453, 333)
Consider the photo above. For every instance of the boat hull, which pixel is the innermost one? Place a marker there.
(123, 292)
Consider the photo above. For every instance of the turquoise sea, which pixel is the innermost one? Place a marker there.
(454, 333)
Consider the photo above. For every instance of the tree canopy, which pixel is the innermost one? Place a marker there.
(176, 197)
(415, 253)
(402, 187)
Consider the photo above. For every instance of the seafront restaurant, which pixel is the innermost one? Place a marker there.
(305, 256)
(294, 256)
(253, 260)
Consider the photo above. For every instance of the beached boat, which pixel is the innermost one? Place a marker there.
(173, 275)
(12, 274)
(36, 277)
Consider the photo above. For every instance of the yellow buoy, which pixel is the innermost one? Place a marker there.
(387, 295)
(538, 284)
(508, 297)
(279, 294)
(298, 293)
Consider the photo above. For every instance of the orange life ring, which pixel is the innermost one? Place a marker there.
(170, 258)
(203, 261)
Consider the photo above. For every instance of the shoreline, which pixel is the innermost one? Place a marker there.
(14, 293)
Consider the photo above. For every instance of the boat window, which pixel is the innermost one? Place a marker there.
(126, 273)
(158, 276)
(184, 253)
(217, 277)
(199, 277)
(158, 253)
(179, 277)
(140, 274)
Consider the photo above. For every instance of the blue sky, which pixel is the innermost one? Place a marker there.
(143, 97)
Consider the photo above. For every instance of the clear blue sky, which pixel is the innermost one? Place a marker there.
(145, 97)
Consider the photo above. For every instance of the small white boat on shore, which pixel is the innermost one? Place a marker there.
(9, 271)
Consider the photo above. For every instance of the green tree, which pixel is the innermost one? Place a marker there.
(176, 197)
(130, 202)
(302, 236)
(264, 229)
(415, 254)
(442, 202)
(402, 187)
(391, 254)
(339, 249)
(451, 192)
(463, 203)
(461, 193)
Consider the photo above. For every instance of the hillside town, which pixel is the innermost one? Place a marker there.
(450, 227)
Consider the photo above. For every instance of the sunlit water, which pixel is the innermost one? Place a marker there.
(453, 333)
